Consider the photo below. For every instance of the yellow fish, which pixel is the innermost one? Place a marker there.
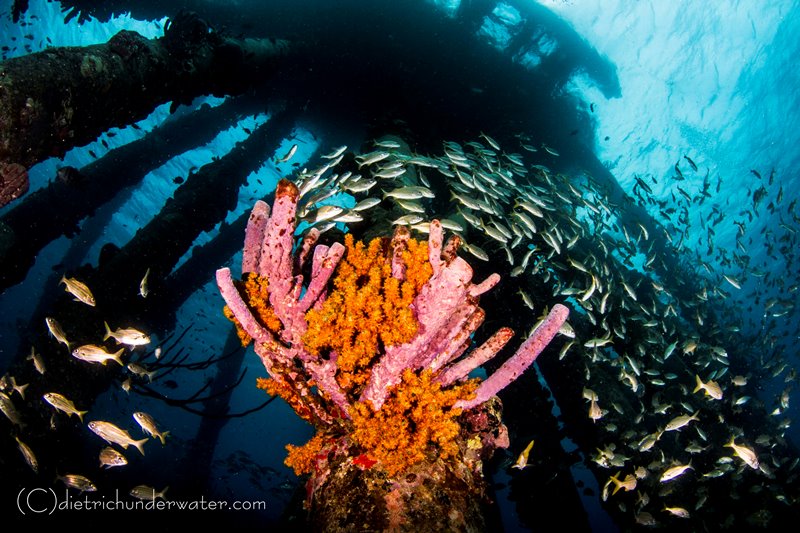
(712, 388)
(79, 290)
(522, 460)
(745, 454)
(629, 483)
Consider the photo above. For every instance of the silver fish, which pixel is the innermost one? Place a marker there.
(91, 353)
(147, 493)
(61, 403)
(115, 435)
(143, 289)
(371, 158)
(129, 336)
(55, 330)
(8, 409)
(28, 455)
(141, 371)
(109, 458)
(327, 212)
(148, 425)
(366, 204)
(336, 152)
(407, 220)
(680, 421)
(38, 362)
(288, 154)
(75, 481)
(359, 186)
(409, 193)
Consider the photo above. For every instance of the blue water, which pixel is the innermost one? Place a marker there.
(719, 86)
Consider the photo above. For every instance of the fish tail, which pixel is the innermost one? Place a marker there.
(617, 484)
(700, 384)
(80, 415)
(162, 437)
(118, 356)
(108, 331)
(140, 445)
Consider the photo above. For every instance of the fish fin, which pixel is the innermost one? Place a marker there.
(108, 331)
(162, 436)
(617, 484)
(80, 415)
(140, 444)
(699, 384)
(118, 356)
(163, 493)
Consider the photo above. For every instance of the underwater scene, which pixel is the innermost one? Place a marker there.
(412, 265)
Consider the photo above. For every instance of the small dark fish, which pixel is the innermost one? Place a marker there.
(643, 185)
(591, 107)
(177, 180)
(755, 173)
(75, 481)
(147, 493)
(136, 127)
(758, 196)
(91, 153)
(679, 176)
(109, 458)
(69, 175)
(691, 163)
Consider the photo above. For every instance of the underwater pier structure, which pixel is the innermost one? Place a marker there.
(60, 98)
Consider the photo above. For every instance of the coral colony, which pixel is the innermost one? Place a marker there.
(372, 359)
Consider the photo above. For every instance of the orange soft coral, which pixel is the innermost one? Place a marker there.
(289, 394)
(244, 338)
(255, 292)
(367, 308)
(417, 418)
(302, 458)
